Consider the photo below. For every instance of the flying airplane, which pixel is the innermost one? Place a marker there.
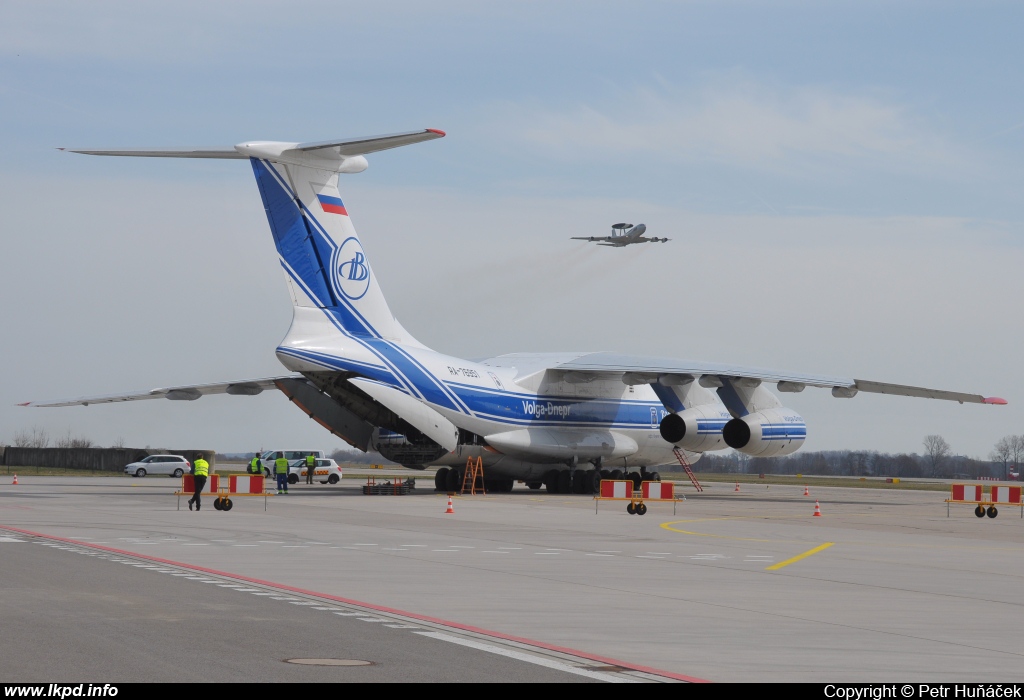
(622, 235)
(562, 420)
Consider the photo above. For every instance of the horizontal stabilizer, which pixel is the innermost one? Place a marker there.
(330, 154)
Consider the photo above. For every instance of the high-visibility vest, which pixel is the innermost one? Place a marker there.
(280, 465)
(201, 467)
(254, 466)
(310, 461)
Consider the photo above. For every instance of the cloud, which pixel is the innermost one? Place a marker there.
(745, 124)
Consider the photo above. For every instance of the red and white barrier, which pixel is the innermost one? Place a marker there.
(188, 484)
(970, 493)
(1009, 495)
(616, 489)
(246, 484)
(658, 490)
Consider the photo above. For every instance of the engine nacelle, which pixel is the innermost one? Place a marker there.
(769, 433)
(697, 429)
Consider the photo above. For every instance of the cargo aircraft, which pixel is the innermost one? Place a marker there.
(563, 420)
(622, 235)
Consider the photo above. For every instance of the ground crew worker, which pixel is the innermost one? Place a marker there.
(200, 470)
(256, 465)
(310, 464)
(281, 469)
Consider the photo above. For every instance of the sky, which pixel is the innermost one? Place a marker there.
(840, 180)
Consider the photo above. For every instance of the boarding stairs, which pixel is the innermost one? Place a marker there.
(474, 469)
(686, 468)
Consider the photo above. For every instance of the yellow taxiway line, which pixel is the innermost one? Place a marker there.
(798, 557)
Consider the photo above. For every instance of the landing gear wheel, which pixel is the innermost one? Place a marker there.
(453, 482)
(631, 508)
(293, 478)
(332, 479)
(579, 479)
(551, 481)
(217, 505)
(980, 512)
(140, 472)
(654, 476)
(641, 509)
(992, 512)
(617, 475)
(605, 474)
(177, 473)
(441, 479)
(534, 485)
(564, 482)
(226, 505)
(593, 481)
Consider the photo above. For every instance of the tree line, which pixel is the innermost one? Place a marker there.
(936, 461)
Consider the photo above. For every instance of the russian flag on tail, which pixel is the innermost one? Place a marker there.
(332, 205)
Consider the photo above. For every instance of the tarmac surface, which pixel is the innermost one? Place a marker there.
(100, 575)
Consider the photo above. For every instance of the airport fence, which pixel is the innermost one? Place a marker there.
(107, 459)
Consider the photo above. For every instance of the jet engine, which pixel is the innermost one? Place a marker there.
(772, 432)
(697, 429)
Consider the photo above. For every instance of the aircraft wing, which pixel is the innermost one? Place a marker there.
(638, 369)
(592, 239)
(245, 387)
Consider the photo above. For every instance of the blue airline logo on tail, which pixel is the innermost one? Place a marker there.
(353, 273)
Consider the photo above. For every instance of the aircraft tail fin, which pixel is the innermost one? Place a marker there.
(321, 254)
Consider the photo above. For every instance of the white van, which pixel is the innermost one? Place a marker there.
(326, 470)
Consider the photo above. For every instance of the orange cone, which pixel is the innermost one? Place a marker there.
(807, 491)
(450, 509)
(15, 482)
(737, 487)
(817, 510)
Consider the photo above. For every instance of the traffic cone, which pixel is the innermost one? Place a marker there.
(15, 482)
(737, 487)
(807, 491)
(450, 509)
(817, 510)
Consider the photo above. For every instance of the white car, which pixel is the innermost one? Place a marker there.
(326, 470)
(171, 465)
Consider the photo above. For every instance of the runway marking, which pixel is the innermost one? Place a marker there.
(247, 590)
(403, 627)
(363, 544)
(294, 546)
(461, 546)
(644, 556)
(444, 550)
(322, 607)
(412, 545)
(541, 553)
(493, 551)
(798, 557)
(9, 539)
(596, 554)
(604, 660)
(271, 541)
(245, 545)
(609, 551)
(529, 658)
(510, 548)
(668, 526)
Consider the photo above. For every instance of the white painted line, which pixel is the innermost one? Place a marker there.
(348, 614)
(263, 593)
(364, 544)
(412, 545)
(270, 541)
(247, 590)
(9, 539)
(444, 550)
(510, 548)
(301, 602)
(323, 608)
(222, 541)
(556, 549)
(403, 627)
(245, 545)
(282, 598)
(371, 619)
(391, 549)
(493, 551)
(294, 546)
(318, 543)
(664, 554)
(644, 556)
(592, 554)
(555, 553)
(460, 546)
(609, 551)
(529, 658)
